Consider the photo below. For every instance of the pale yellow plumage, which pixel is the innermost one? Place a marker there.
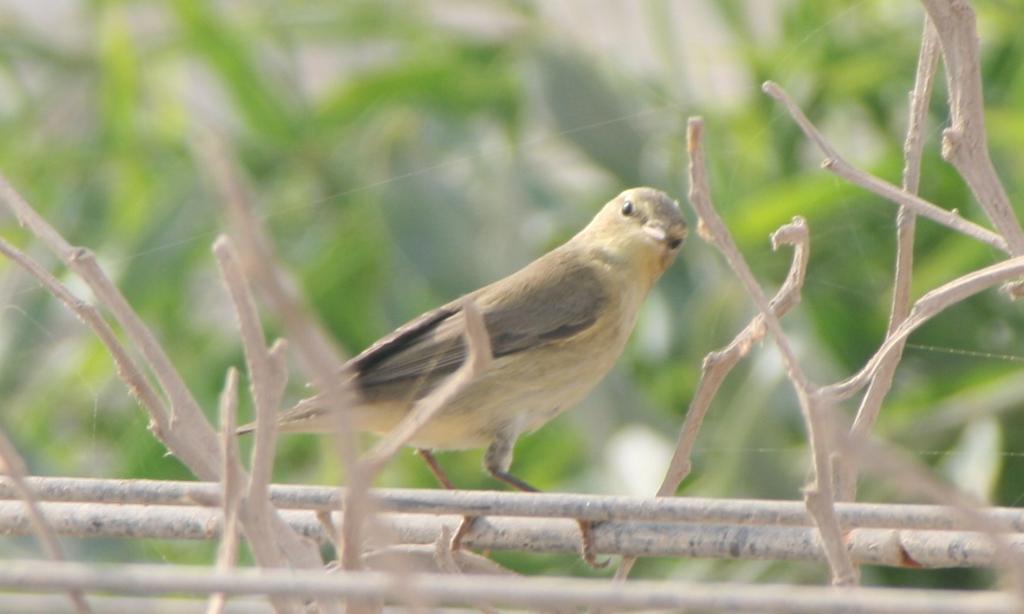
(557, 326)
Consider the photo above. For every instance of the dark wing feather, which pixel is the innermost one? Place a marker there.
(546, 311)
(529, 309)
(400, 340)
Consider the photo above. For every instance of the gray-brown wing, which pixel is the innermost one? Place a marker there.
(523, 311)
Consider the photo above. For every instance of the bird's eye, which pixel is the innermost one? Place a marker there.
(627, 208)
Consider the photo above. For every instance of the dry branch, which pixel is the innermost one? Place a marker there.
(319, 355)
(718, 364)
(837, 164)
(321, 358)
(875, 546)
(260, 262)
(231, 484)
(13, 466)
(194, 445)
(530, 593)
(964, 146)
(267, 377)
(183, 428)
(964, 143)
(597, 508)
(906, 222)
(927, 307)
(133, 377)
(818, 493)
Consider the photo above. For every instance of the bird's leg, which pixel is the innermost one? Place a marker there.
(435, 468)
(442, 478)
(497, 461)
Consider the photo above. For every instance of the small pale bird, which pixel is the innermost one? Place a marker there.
(556, 326)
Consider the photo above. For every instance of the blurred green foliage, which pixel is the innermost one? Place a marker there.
(405, 152)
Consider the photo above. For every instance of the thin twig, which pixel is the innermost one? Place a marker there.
(267, 373)
(260, 261)
(183, 428)
(881, 383)
(838, 165)
(201, 443)
(196, 446)
(927, 307)
(320, 356)
(520, 592)
(133, 377)
(267, 377)
(893, 546)
(964, 143)
(597, 508)
(817, 493)
(227, 555)
(14, 468)
(718, 364)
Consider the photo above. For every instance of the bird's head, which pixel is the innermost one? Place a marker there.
(641, 227)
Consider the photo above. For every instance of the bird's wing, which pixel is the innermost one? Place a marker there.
(529, 309)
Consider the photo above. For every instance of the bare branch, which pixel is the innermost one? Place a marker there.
(881, 383)
(130, 374)
(920, 96)
(867, 545)
(318, 354)
(267, 376)
(231, 484)
(14, 468)
(818, 493)
(597, 508)
(964, 143)
(185, 430)
(926, 308)
(267, 371)
(28, 217)
(260, 262)
(836, 164)
(718, 364)
(195, 445)
(531, 593)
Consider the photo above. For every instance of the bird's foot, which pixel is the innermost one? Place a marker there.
(587, 545)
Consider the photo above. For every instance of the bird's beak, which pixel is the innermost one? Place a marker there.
(659, 234)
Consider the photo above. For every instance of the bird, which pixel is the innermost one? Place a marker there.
(556, 328)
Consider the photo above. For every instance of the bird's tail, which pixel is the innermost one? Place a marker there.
(293, 419)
